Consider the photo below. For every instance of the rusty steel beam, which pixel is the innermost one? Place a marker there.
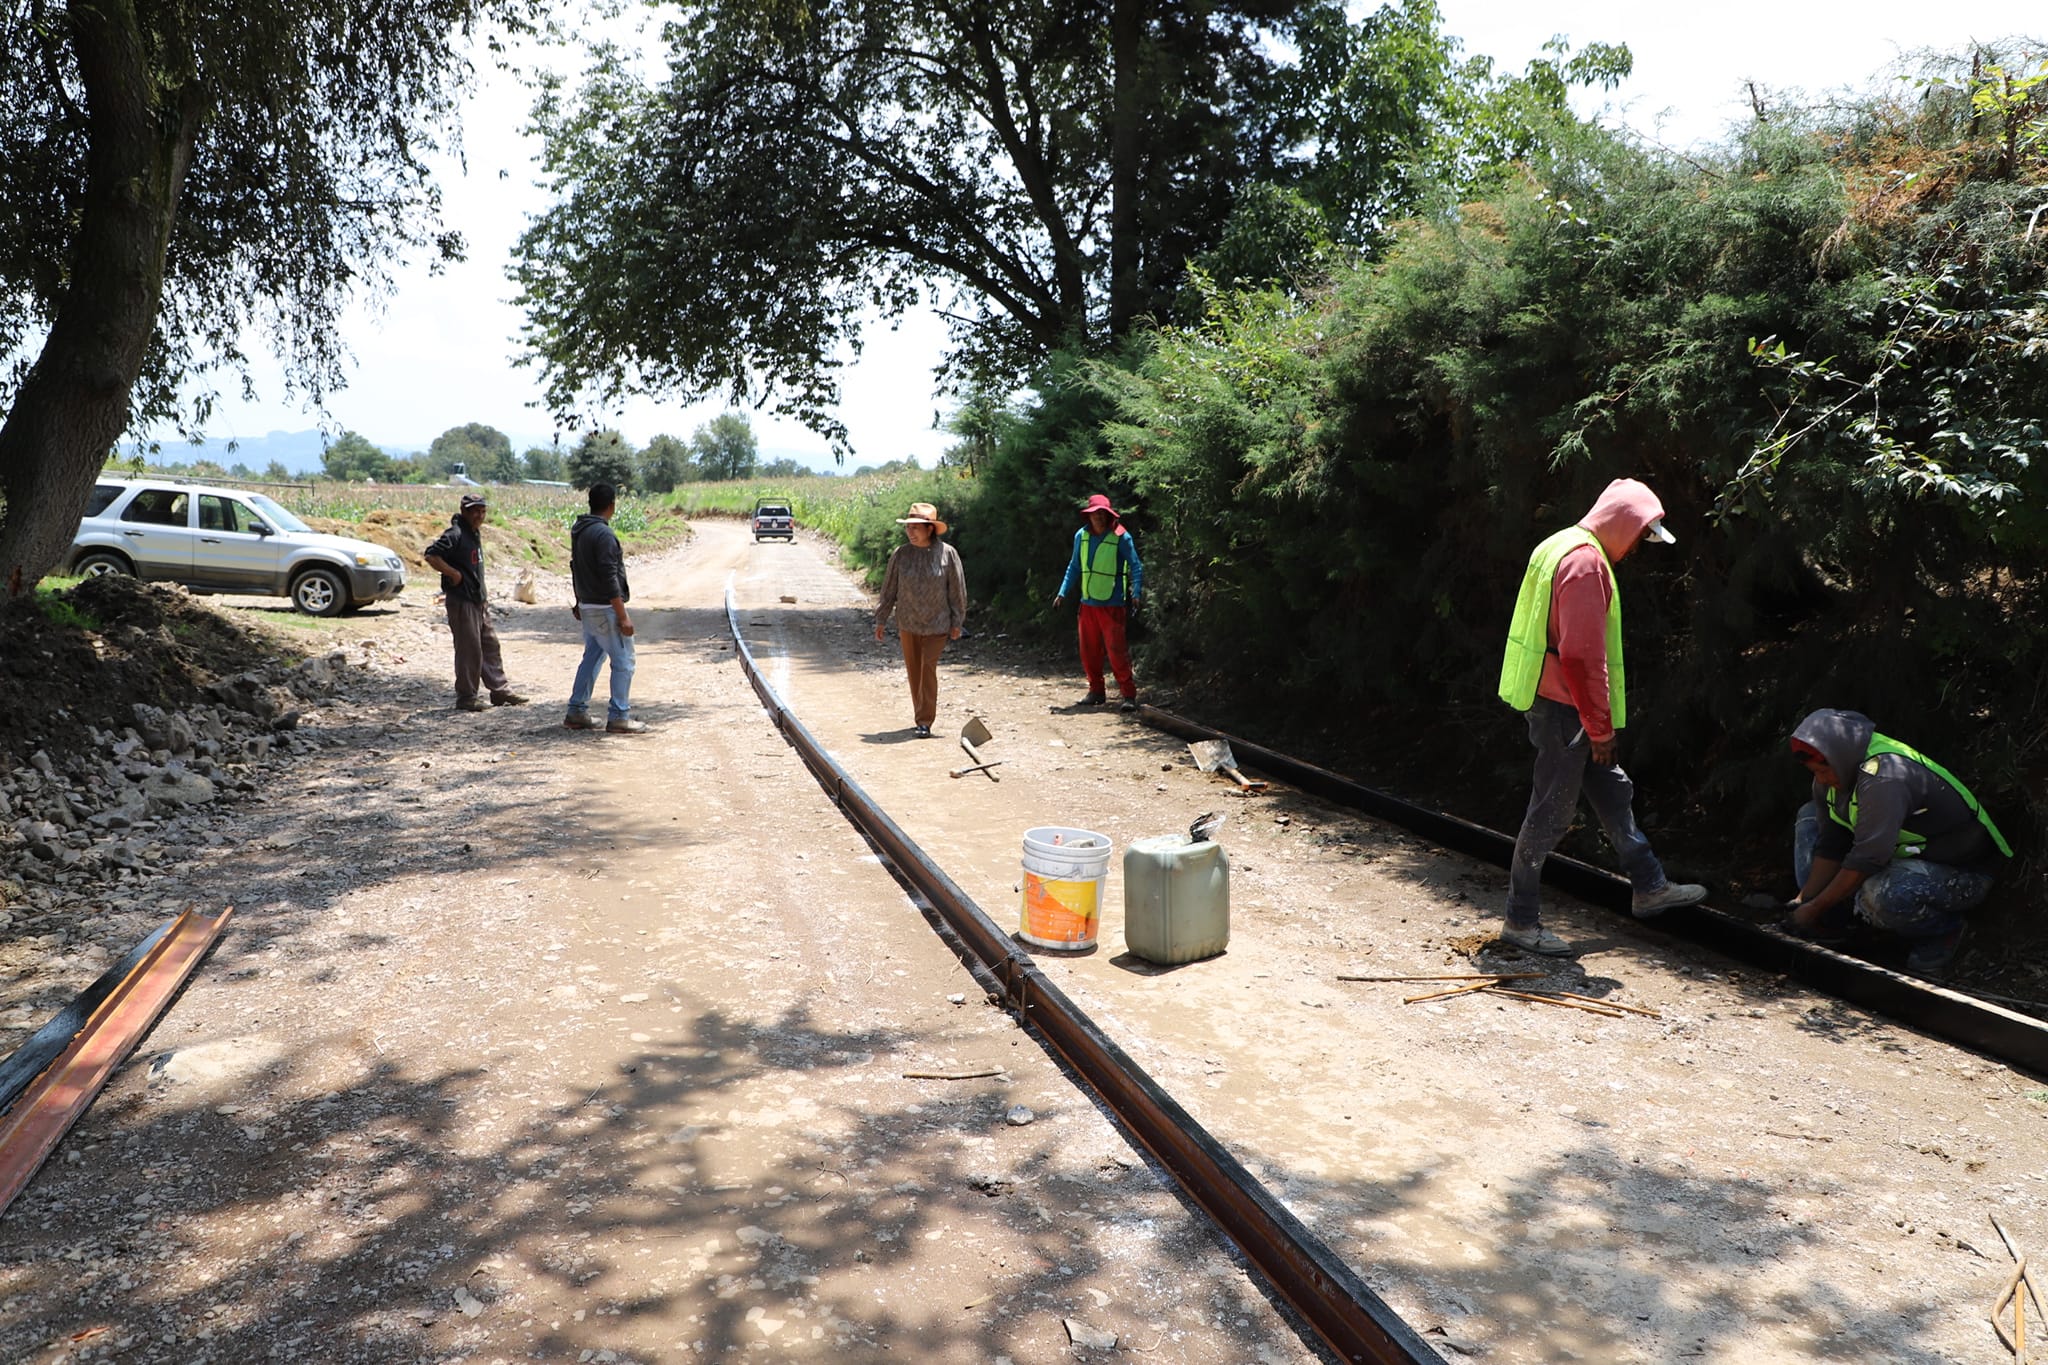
(2011, 1037)
(1342, 1310)
(62, 1093)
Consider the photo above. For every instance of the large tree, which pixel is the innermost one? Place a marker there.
(1046, 168)
(601, 457)
(173, 175)
(484, 452)
(725, 448)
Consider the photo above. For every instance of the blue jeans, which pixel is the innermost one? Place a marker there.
(1564, 768)
(601, 640)
(1910, 897)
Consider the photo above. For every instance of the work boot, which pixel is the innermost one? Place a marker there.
(1932, 956)
(628, 726)
(1095, 699)
(1537, 939)
(1670, 896)
(1128, 704)
(472, 704)
(576, 720)
(507, 697)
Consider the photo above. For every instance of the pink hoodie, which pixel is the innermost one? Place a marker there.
(1575, 671)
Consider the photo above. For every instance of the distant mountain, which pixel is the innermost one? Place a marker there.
(299, 451)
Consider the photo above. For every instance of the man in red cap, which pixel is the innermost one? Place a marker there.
(1104, 566)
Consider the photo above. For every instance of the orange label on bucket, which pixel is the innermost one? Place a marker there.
(1059, 911)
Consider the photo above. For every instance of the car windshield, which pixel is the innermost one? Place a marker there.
(280, 520)
(771, 509)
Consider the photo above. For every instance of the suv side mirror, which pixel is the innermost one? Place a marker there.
(261, 528)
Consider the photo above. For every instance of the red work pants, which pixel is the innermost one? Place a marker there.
(921, 662)
(1102, 629)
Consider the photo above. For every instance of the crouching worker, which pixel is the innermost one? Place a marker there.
(1890, 836)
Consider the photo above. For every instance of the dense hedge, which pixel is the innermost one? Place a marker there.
(1826, 348)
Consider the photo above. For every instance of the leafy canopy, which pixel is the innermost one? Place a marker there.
(1044, 170)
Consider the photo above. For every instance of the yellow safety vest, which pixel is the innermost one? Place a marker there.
(1529, 632)
(1097, 583)
(1911, 845)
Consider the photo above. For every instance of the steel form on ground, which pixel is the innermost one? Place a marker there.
(1355, 1322)
(2016, 1039)
(62, 1093)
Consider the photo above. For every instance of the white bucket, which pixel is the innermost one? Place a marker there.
(1064, 871)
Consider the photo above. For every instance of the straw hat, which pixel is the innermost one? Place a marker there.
(926, 513)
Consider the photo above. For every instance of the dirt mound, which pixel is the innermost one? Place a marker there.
(84, 657)
(410, 533)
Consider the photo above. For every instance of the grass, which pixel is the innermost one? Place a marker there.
(56, 610)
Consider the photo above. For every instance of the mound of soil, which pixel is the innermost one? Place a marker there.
(410, 533)
(130, 642)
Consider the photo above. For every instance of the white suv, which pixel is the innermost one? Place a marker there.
(227, 540)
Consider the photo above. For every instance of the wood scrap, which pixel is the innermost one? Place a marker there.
(1613, 1004)
(1466, 989)
(1601, 1010)
(1463, 976)
(949, 1075)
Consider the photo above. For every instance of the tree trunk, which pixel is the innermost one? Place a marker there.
(1131, 81)
(74, 403)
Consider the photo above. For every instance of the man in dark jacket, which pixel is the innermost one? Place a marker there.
(598, 567)
(1889, 835)
(459, 555)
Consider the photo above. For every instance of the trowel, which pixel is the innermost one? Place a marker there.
(971, 734)
(1214, 756)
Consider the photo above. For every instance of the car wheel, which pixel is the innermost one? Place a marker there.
(320, 592)
(100, 563)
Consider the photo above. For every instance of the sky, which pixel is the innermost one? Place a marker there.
(439, 352)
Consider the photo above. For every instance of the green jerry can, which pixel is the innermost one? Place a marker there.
(1176, 899)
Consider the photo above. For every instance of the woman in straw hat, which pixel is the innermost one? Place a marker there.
(927, 589)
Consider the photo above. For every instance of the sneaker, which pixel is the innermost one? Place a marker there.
(1537, 939)
(628, 726)
(507, 698)
(921, 731)
(472, 704)
(1932, 956)
(1670, 896)
(1128, 704)
(577, 720)
(1094, 699)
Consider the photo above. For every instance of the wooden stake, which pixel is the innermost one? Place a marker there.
(1612, 1004)
(1602, 1011)
(1467, 976)
(1459, 990)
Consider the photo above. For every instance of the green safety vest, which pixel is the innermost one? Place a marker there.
(1529, 633)
(1910, 845)
(1098, 583)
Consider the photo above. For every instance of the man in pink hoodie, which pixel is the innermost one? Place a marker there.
(1564, 668)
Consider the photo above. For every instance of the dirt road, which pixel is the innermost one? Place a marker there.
(528, 1044)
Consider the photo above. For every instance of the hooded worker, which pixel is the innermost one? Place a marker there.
(1889, 836)
(1564, 669)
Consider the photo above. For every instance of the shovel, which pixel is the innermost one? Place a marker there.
(1214, 756)
(971, 734)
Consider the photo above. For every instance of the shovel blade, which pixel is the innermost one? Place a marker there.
(1212, 755)
(974, 732)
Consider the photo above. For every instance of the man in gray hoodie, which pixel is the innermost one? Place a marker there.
(597, 566)
(1889, 835)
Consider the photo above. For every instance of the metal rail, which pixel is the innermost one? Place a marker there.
(2016, 1039)
(124, 1015)
(1355, 1322)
